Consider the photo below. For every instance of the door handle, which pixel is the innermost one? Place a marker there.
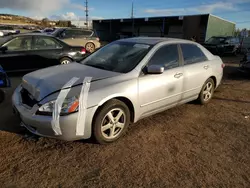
(206, 67)
(178, 75)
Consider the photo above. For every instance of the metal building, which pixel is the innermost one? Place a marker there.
(202, 26)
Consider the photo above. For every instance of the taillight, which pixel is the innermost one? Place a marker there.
(223, 65)
(83, 51)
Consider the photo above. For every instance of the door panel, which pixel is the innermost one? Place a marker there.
(17, 55)
(46, 52)
(45, 58)
(160, 91)
(195, 76)
(13, 61)
(197, 70)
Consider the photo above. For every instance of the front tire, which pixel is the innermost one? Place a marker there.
(207, 92)
(111, 122)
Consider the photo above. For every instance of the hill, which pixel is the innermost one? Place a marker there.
(16, 19)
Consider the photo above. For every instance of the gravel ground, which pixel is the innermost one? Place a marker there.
(187, 146)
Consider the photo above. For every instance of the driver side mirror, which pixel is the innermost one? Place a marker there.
(155, 69)
(3, 49)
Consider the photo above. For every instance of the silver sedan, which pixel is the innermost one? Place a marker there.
(119, 84)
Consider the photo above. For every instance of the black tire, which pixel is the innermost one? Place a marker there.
(65, 59)
(201, 95)
(2, 96)
(90, 47)
(101, 116)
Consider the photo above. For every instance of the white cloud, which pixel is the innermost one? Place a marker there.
(40, 7)
(73, 17)
(69, 16)
(209, 8)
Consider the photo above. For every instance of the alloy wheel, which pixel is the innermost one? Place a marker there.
(113, 123)
(208, 91)
(90, 47)
(65, 62)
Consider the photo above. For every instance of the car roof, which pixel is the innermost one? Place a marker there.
(154, 40)
(33, 34)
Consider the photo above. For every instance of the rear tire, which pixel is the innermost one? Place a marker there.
(111, 122)
(207, 92)
(65, 61)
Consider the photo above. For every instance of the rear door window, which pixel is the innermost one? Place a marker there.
(43, 43)
(192, 54)
(68, 33)
(86, 33)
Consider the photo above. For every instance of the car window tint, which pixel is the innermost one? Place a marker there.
(167, 56)
(45, 43)
(19, 44)
(86, 33)
(192, 54)
(68, 33)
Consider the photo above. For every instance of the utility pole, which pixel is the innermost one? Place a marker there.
(87, 13)
(132, 10)
(133, 21)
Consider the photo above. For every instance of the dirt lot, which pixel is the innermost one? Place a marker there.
(187, 146)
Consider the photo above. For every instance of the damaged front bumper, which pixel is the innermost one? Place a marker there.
(41, 125)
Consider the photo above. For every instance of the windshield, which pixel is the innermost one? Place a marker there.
(118, 57)
(216, 40)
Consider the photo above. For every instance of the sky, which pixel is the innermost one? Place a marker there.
(237, 11)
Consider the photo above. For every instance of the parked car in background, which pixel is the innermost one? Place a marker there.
(35, 51)
(223, 45)
(7, 30)
(245, 45)
(48, 30)
(76, 36)
(244, 65)
(131, 79)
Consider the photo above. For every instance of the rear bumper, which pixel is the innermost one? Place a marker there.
(41, 125)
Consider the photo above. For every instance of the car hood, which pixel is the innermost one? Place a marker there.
(43, 82)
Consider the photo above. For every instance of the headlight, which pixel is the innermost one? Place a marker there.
(69, 105)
